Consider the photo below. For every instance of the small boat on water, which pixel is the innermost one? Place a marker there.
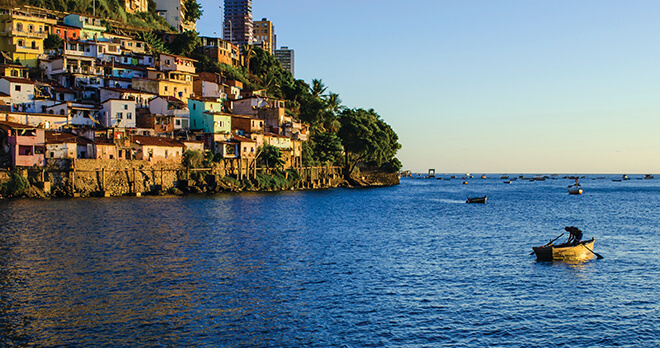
(476, 200)
(582, 251)
(648, 176)
(575, 189)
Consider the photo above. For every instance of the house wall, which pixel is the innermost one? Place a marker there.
(62, 150)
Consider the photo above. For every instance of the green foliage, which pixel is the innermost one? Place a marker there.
(308, 158)
(16, 186)
(53, 42)
(270, 157)
(192, 11)
(193, 159)
(327, 147)
(278, 180)
(366, 138)
(185, 43)
(154, 44)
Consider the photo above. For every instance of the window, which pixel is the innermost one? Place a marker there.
(125, 107)
(17, 88)
(19, 26)
(129, 115)
(194, 106)
(119, 116)
(20, 43)
(61, 111)
(177, 122)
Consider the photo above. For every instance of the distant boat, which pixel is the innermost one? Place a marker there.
(464, 182)
(507, 182)
(483, 176)
(504, 177)
(648, 176)
(476, 200)
(583, 251)
(575, 189)
(625, 177)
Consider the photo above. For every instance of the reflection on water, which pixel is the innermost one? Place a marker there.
(400, 266)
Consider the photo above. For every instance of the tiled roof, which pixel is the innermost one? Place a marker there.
(17, 80)
(155, 141)
(61, 138)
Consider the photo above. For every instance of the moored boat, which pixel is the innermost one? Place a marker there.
(582, 251)
(476, 200)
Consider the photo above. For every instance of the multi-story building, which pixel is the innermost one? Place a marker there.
(286, 57)
(133, 6)
(172, 11)
(238, 26)
(90, 27)
(264, 35)
(22, 35)
(221, 51)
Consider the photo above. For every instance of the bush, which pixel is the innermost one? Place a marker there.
(16, 186)
(278, 180)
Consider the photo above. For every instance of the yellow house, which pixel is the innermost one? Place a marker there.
(22, 34)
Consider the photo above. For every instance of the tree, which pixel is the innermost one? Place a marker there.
(53, 42)
(366, 139)
(327, 147)
(154, 44)
(192, 11)
(270, 157)
(185, 43)
(248, 51)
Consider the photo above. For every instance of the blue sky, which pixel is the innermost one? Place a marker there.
(487, 86)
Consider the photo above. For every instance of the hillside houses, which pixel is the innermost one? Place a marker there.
(103, 95)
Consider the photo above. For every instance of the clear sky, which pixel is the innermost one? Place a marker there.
(487, 86)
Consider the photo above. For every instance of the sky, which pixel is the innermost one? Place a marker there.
(485, 86)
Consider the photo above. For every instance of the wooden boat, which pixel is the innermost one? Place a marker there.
(566, 252)
(476, 200)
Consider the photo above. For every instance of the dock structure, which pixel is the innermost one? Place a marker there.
(431, 173)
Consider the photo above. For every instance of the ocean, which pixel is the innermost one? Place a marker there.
(411, 265)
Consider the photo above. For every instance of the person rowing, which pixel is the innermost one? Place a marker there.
(575, 235)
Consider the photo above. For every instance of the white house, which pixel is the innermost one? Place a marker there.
(21, 92)
(118, 113)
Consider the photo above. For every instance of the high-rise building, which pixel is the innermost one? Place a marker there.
(264, 35)
(238, 26)
(286, 57)
(172, 11)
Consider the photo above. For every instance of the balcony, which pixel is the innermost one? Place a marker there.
(24, 33)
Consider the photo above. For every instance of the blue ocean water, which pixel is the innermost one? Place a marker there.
(404, 266)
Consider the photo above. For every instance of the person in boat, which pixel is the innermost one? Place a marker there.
(575, 235)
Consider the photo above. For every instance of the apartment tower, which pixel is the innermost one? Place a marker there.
(286, 57)
(238, 26)
(264, 35)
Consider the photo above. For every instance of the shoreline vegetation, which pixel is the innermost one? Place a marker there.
(355, 140)
(138, 178)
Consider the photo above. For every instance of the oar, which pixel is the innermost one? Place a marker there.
(598, 257)
(550, 242)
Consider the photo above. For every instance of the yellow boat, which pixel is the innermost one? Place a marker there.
(582, 251)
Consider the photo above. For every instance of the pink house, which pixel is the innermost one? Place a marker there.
(21, 144)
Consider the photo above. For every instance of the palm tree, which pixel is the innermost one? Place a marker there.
(248, 51)
(318, 88)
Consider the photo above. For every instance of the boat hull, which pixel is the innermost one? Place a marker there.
(477, 200)
(563, 252)
(575, 190)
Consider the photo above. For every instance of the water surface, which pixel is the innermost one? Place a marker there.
(404, 266)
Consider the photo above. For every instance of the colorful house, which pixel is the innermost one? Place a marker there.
(90, 27)
(21, 145)
(198, 106)
(157, 148)
(22, 34)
